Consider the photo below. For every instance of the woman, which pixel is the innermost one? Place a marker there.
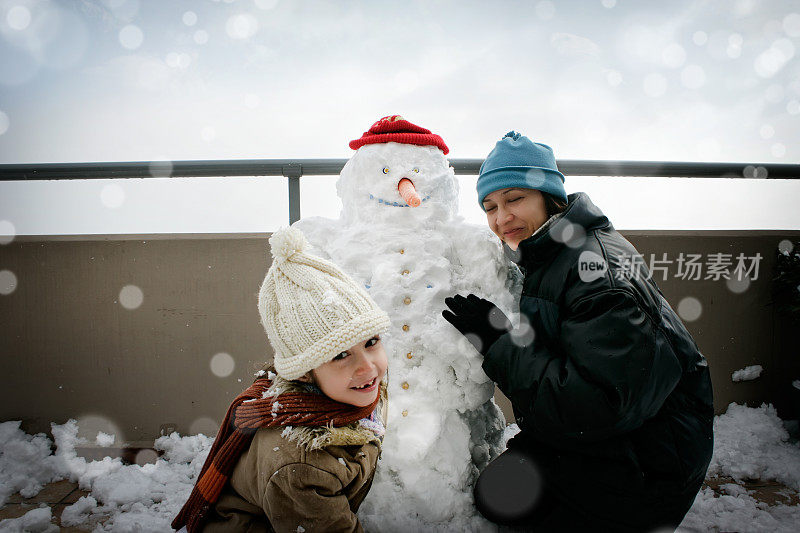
(611, 394)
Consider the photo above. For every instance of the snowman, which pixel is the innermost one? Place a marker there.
(399, 233)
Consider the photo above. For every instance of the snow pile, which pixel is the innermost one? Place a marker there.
(749, 443)
(126, 497)
(752, 443)
(36, 521)
(26, 463)
(747, 373)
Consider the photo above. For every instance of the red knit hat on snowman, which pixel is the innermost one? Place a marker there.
(395, 128)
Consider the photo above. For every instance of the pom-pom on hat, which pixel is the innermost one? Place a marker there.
(395, 128)
(310, 309)
(516, 161)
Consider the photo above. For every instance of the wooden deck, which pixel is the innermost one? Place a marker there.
(63, 493)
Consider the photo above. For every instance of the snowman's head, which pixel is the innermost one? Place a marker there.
(399, 171)
(373, 182)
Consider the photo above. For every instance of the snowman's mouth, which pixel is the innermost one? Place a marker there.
(394, 204)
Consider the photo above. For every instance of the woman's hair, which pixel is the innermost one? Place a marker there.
(553, 205)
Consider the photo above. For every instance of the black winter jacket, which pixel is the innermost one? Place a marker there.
(612, 395)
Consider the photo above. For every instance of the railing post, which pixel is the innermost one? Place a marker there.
(293, 171)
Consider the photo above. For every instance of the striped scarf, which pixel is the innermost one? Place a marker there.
(251, 410)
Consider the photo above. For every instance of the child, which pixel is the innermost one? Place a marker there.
(297, 451)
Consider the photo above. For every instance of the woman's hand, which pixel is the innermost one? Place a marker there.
(479, 320)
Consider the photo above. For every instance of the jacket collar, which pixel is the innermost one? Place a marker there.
(545, 241)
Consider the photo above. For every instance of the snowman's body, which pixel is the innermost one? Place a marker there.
(443, 426)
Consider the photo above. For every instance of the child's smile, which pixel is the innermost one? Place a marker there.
(353, 376)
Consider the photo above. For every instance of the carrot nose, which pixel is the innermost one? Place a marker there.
(409, 192)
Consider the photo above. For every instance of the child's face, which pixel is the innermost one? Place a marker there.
(354, 376)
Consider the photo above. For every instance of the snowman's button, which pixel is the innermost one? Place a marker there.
(405, 327)
(406, 300)
(405, 385)
(402, 251)
(405, 412)
(409, 355)
(405, 272)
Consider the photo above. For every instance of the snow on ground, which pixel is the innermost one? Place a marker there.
(750, 443)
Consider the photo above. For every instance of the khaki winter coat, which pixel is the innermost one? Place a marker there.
(299, 479)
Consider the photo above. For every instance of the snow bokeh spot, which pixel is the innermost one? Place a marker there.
(772, 60)
(222, 365)
(738, 285)
(112, 196)
(205, 426)
(146, 456)
(189, 18)
(791, 24)
(18, 18)
(608, 4)
(523, 335)
(785, 246)
(7, 232)
(734, 49)
(98, 430)
(690, 308)
(572, 235)
(242, 26)
(131, 37)
(131, 297)
(754, 172)
(161, 169)
(673, 55)
(8, 282)
(474, 340)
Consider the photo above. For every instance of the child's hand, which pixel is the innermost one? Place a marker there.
(479, 320)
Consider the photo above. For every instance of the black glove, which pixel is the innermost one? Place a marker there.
(479, 320)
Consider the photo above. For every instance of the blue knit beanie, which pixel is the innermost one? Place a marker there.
(516, 161)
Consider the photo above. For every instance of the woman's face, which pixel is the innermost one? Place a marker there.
(354, 376)
(514, 214)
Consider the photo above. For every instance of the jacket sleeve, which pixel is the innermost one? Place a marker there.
(304, 495)
(606, 374)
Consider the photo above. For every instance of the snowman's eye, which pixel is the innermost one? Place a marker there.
(385, 170)
(416, 170)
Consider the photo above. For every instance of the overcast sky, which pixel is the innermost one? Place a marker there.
(126, 80)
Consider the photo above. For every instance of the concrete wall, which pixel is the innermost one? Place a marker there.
(70, 349)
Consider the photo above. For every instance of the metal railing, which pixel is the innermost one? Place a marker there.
(293, 169)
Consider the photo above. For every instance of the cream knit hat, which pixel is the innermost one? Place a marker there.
(310, 309)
